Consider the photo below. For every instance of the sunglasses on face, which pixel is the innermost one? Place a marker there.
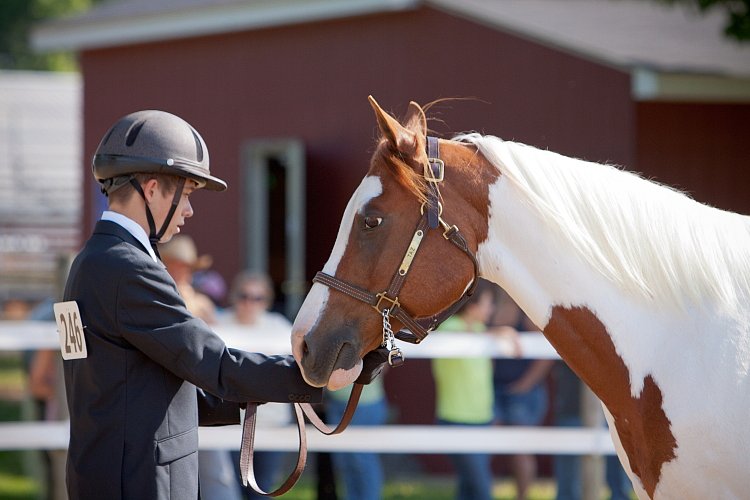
(246, 297)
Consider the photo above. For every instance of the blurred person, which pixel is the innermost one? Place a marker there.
(15, 309)
(180, 256)
(44, 380)
(361, 472)
(520, 389)
(251, 297)
(212, 284)
(464, 392)
(567, 413)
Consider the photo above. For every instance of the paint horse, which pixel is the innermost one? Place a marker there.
(641, 290)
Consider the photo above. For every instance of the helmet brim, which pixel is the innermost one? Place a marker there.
(107, 166)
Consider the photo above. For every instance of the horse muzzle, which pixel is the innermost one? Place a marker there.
(327, 360)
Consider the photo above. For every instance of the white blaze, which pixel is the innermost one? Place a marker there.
(316, 300)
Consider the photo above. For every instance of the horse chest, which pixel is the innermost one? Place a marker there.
(678, 435)
(642, 425)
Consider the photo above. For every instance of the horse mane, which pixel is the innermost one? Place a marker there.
(645, 237)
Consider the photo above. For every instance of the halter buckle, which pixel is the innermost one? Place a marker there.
(384, 296)
(395, 357)
(448, 229)
(430, 174)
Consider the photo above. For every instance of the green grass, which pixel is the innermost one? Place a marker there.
(432, 488)
(16, 483)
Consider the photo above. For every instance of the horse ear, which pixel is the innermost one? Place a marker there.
(399, 138)
(415, 119)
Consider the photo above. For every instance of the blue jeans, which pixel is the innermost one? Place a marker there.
(216, 476)
(361, 473)
(473, 472)
(266, 466)
(568, 472)
(528, 408)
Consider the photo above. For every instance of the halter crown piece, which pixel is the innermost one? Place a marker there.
(386, 303)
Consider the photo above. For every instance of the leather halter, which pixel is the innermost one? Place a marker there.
(387, 302)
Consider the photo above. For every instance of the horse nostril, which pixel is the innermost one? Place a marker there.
(305, 350)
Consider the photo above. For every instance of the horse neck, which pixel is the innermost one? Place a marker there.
(533, 264)
(547, 277)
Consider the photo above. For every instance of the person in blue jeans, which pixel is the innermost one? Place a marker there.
(567, 412)
(464, 394)
(520, 387)
(361, 472)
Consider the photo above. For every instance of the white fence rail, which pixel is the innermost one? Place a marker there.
(34, 335)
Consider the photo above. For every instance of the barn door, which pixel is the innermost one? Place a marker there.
(274, 217)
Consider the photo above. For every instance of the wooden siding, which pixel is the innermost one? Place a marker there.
(311, 82)
(702, 149)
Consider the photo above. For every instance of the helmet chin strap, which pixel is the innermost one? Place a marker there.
(155, 236)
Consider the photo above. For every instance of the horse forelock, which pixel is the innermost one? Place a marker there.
(649, 239)
(399, 168)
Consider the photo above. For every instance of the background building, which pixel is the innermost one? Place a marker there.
(279, 91)
(40, 179)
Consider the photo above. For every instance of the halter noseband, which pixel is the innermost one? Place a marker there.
(386, 303)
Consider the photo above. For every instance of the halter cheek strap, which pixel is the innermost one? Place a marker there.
(388, 305)
(415, 329)
(153, 235)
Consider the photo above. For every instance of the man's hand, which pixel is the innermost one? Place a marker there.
(372, 365)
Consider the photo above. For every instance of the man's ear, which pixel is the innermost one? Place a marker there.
(150, 188)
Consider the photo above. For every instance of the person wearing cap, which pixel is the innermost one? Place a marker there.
(180, 255)
(148, 372)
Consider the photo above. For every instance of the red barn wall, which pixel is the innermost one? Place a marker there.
(699, 148)
(311, 82)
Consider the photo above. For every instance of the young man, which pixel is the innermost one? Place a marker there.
(151, 371)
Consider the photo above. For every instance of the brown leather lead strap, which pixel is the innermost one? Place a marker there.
(351, 406)
(247, 471)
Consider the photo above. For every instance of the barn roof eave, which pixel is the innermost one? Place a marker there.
(138, 22)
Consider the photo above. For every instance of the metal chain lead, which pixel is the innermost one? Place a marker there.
(395, 356)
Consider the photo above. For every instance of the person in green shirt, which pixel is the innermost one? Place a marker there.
(465, 394)
(361, 473)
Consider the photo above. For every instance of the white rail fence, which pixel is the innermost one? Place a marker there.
(417, 439)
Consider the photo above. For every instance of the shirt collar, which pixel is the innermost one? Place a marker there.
(132, 227)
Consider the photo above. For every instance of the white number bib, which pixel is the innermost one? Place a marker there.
(70, 328)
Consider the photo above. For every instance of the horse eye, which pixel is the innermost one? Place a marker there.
(372, 222)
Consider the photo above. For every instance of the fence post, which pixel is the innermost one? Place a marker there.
(592, 466)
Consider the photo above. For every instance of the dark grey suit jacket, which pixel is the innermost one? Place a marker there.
(134, 406)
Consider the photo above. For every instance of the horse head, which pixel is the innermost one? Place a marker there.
(375, 241)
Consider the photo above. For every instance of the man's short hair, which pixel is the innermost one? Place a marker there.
(167, 184)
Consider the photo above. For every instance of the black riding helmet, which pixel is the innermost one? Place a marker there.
(153, 142)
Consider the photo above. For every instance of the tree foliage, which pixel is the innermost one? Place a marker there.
(17, 17)
(737, 12)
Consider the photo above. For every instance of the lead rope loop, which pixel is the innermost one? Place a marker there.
(395, 356)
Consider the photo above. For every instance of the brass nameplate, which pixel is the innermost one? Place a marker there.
(411, 252)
